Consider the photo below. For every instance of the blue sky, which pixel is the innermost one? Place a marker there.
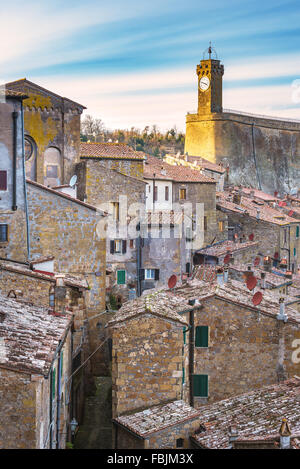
(132, 63)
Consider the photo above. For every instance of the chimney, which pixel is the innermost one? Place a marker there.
(281, 316)
(258, 213)
(220, 277)
(232, 434)
(225, 274)
(267, 264)
(285, 435)
(263, 280)
(60, 280)
(252, 193)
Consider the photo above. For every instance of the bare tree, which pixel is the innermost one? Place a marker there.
(92, 128)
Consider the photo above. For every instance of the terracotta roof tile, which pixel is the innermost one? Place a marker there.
(158, 417)
(165, 171)
(110, 151)
(29, 336)
(257, 413)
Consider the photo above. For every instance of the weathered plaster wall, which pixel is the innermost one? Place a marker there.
(16, 247)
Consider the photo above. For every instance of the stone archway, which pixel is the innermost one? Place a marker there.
(30, 157)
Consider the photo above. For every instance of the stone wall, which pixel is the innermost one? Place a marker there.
(246, 349)
(18, 410)
(66, 229)
(147, 362)
(254, 147)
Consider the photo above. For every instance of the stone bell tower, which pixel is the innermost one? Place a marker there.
(210, 72)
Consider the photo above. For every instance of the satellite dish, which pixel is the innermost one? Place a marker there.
(294, 191)
(256, 261)
(251, 282)
(256, 300)
(291, 212)
(73, 181)
(172, 281)
(276, 255)
(227, 258)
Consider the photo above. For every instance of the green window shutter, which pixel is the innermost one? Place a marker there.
(184, 336)
(297, 231)
(121, 277)
(53, 382)
(200, 385)
(183, 374)
(295, 251)
(201, 336)
(61, 363)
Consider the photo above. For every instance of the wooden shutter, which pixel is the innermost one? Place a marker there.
(3, 180)
(200, 385)
(156, 274)
(53, 383)
(142, 274)
(3, 233)
(297, 231)
(121, 277)
(166, 192)
(201, 336)
(112, 247)
(124, 246)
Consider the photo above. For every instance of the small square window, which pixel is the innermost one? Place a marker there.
(3, 233)
(118, 245)
(179, 443)
(149, 274)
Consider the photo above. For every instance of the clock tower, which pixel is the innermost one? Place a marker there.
(210, 72)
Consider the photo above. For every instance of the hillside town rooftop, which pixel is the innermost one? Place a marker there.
(29, 336)
(223, 247)
(257, 414)
(110, 151)
(157, 418)
(155, 168)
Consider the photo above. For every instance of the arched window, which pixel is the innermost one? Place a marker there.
(30, 157)
(52, 167)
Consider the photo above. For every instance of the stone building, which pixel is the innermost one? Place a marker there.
(262, 151)
(248, 218)
(35, 367)
(52, 133)
(241, 252)
(209, 169)
(149, 352)
(239, 343)
(13, 213)
(59, 294)
(66, 228)
(180, 185)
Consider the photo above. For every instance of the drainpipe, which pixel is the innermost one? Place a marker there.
(15, 149)
(58, 400)
(25, 187)
(191, 354)
(153, 191)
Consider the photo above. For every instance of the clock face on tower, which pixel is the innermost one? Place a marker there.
(204, 83)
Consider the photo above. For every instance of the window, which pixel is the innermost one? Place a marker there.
(205, 223)
(188, 268)
(118, 246)
(201, 336)
(121, 276)
(116, 211)
(221, 226)
(3, 180)
(166, 192)
(3, 233)
(131, 243)
(295, 252)
(53, 373)
(155, 194)
(149, 274)
(200, 385)
(297, 231)
(179, 443)
(182, 194)
(285, 235)
(52, 297)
